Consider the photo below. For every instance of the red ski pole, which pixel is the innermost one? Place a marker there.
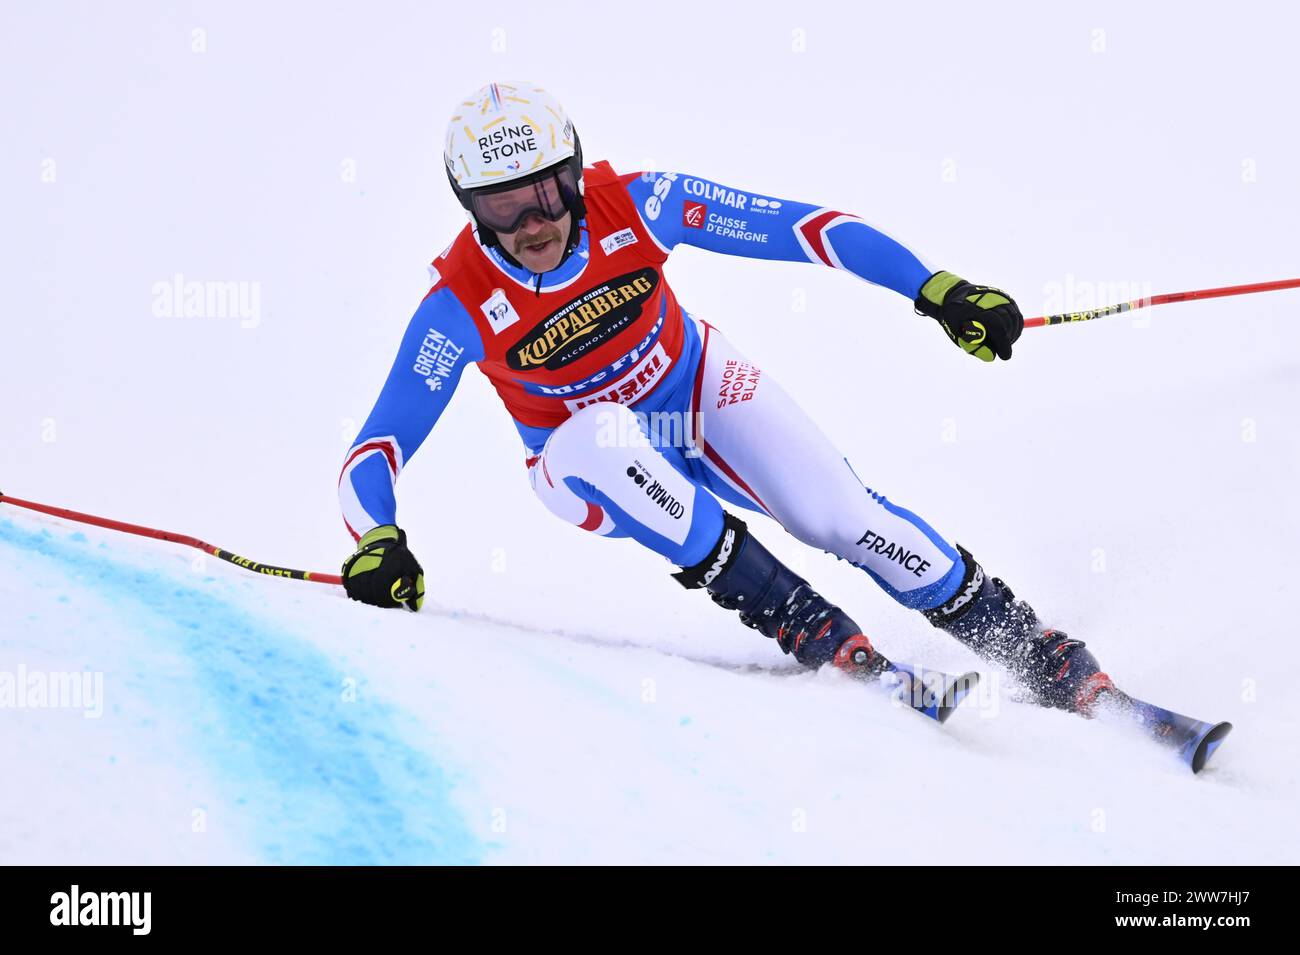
(1045, 320)
(188, 541)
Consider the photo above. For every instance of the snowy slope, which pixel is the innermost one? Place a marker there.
(473, 740)
(1132, 477)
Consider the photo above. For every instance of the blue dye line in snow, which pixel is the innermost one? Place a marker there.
(322, 782)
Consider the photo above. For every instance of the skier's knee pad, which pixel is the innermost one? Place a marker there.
(575, 454)
(600, 471)
(560, 499)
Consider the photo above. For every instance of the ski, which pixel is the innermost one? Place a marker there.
(931, 693)
(1194, 740)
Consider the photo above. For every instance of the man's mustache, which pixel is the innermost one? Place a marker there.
(537, 238)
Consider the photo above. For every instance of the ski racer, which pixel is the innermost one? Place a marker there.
(639, 419)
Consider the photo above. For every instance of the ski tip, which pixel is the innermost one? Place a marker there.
(1204, 747)
(958, 689)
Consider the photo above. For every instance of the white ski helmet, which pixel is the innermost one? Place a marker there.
(504, 137)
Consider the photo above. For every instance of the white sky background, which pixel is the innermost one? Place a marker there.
(1103, 147)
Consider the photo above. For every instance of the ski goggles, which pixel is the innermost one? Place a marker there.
(549, 194)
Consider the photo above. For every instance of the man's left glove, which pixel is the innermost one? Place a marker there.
(383, 572)
(983, 321)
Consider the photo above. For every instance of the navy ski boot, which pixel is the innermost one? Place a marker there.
(985, 615)
(741, 574)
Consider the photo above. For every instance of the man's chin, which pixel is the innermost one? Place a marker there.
(542, 260)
